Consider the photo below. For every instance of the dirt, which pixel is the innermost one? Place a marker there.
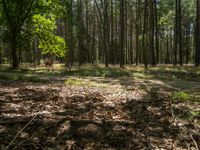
(118, 116)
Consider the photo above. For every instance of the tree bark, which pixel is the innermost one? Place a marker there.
(105, 33)
(197, 35)
(152, 27)
(144, 34)
(180, 34)
(157, 31)
(176, 34)
(14, 49)
(122, 3)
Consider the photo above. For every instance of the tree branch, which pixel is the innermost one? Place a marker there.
(26, 15)
(7, 13)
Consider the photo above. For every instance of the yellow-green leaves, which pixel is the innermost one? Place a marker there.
(45, 26)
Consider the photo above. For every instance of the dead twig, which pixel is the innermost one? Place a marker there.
(19, 132)
(172, 111)
(195, 143)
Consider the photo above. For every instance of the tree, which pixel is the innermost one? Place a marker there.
(81, 55)
(112, 32)
(122, 3)
(157, 39)
(103, 31)
(48, 42)
(152, 35)
(144, 34)
(197, 35)
(69, 32)
(176, 34)
(180, 33)
(16, 13)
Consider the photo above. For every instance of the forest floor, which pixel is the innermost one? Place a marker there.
(100, 108)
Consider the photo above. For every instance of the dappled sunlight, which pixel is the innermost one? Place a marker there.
(108, 108)
(100, 75)
(116, 117)
(42, 74)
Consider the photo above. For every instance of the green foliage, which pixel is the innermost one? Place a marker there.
(45, 25)
(181, 96)
(50, 6)
(167, 20)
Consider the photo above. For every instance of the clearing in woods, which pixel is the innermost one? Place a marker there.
(98, 108)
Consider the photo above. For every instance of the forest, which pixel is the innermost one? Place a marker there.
(99, 74)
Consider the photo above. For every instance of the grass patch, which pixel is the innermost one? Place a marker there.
(20, 77)
(182, 96)
(138, 72)
(99, 72)
(73, 82)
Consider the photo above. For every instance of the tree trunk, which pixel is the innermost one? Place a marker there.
(157, 30)
(152, 27)
(144, 35)
(112, 34)
(131, 39)
(176, 34)
(81, 50)
(197, 35)
(105, 33)
(180, 34)
(197, 38)
(14, 49)
(70, 35)
(122, 2)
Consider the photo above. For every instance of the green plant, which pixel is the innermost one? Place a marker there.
(181, 96)
(45, 25)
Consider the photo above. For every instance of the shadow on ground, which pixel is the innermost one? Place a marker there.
(84, 119)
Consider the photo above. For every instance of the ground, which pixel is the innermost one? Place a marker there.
(100, 108)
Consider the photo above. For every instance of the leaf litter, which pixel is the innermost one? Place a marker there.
(60, 117)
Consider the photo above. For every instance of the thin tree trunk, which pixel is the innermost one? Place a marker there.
(14, 49)
(180, 34)
(157, 31)
(197, 35)
(152, 27)
(176, 34)
(122, 6)
(144, 35)
(105, 33)
(112, 34)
